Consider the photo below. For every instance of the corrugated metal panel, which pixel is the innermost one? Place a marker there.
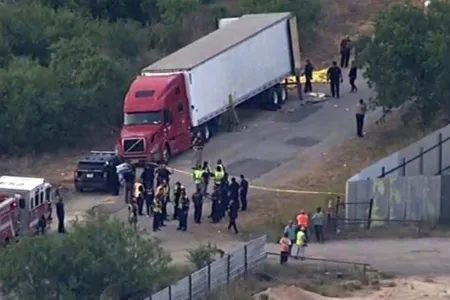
(216, 42)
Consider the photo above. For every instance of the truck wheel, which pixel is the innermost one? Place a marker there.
(166, 154)
(206, 132)
(282, 93)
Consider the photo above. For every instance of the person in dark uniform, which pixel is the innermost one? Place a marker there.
(157, 211)
(334, 77)
(163, 174)
(112, 180)
(184, 211)
(206, 177)
(148, 176)
(165, 199)
(308, 72)
(234, 189)
(345, 52)
(233, 214)
(149, 198)
(197, 199)
(60, 214)
(215, 205)
(140, 194)
(129, 177)
(243, 191)
(352, 74)
(176, 199)
(159, 195)
(224, 195)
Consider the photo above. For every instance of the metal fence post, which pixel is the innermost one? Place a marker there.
(421, 161)
(404, 166)
(439, 153)
(245, 259)
(170, 292)
(383, 171)
(209, 277)
(228, 268)
(190, 286)
(369, 217)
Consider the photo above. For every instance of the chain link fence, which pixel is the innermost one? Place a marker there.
(216, 274)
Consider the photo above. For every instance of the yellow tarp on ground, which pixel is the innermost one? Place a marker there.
(319, 76)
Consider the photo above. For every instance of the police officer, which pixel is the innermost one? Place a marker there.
(243, 191)
(148, 175)
(197, 199)
(157, 211)
(218, 176)
(215, 205)
(224, 194)
(233, 214)
(234, 189)
(176, 199)
(149, 198)
(334, 77)
(112, 179)
(60, 214)
(206, 176)
(128, 177)
(184, 211)
(197, 174)
(139, 196)
(163, 174)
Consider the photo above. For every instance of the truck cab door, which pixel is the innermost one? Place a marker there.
(24, 215)
(182, 120)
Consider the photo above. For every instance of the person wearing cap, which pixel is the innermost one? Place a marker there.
(300, 243)
(303, 221)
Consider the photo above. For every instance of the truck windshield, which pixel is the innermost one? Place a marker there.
(149, 117)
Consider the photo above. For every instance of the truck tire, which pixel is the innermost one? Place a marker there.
(166, 154)
(206, 132)
(282, 93)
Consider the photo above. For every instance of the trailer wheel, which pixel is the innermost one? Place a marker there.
(282, 93)
(166, 154)
(206, 132)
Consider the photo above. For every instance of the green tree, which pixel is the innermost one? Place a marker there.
(406, 60)
(101, 255)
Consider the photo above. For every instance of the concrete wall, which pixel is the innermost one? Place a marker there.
(400, 198)
(430, 159)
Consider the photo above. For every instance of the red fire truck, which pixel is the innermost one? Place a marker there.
(25, 200)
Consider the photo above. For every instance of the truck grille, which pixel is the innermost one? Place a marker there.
(133, 145)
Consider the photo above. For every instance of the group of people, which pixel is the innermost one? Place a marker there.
(227, 196)
(298, 234)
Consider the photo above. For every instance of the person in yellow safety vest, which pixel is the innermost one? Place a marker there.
(138, 196)
(165, 199)
(221, 166)
(157, 212)
(300, 242)
(219, 174)
(198, 178)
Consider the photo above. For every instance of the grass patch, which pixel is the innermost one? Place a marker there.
(272, 211)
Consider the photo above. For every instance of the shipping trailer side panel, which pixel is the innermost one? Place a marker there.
(241, 72)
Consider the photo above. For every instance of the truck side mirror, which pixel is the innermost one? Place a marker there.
(22, 203)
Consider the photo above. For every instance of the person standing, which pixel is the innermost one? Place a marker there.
(197, 175)
(60, 214)
(308, 72)
(157, 212)
(233, 214)
(318, 219)
(234, 189)
(198, 145)
(139, 197)
(303, 222)
(206, 176)
(149, 198)
(215, 205)
(334, 77)
(352, 75)
(243, 191)
(148, 175)
(112, 179)
(184, 211)
(128, 177)
(285, 248)
(163, 174)
(301, 243)
(197, 199)
(345, 52)
(360, 114)
(176, 199)
(290, 231)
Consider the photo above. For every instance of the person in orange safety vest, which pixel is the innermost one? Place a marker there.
(303, 221)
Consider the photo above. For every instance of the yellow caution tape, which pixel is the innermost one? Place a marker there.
(262, 188)
(319, 76)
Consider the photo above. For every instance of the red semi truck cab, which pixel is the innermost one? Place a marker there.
(156, 121)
